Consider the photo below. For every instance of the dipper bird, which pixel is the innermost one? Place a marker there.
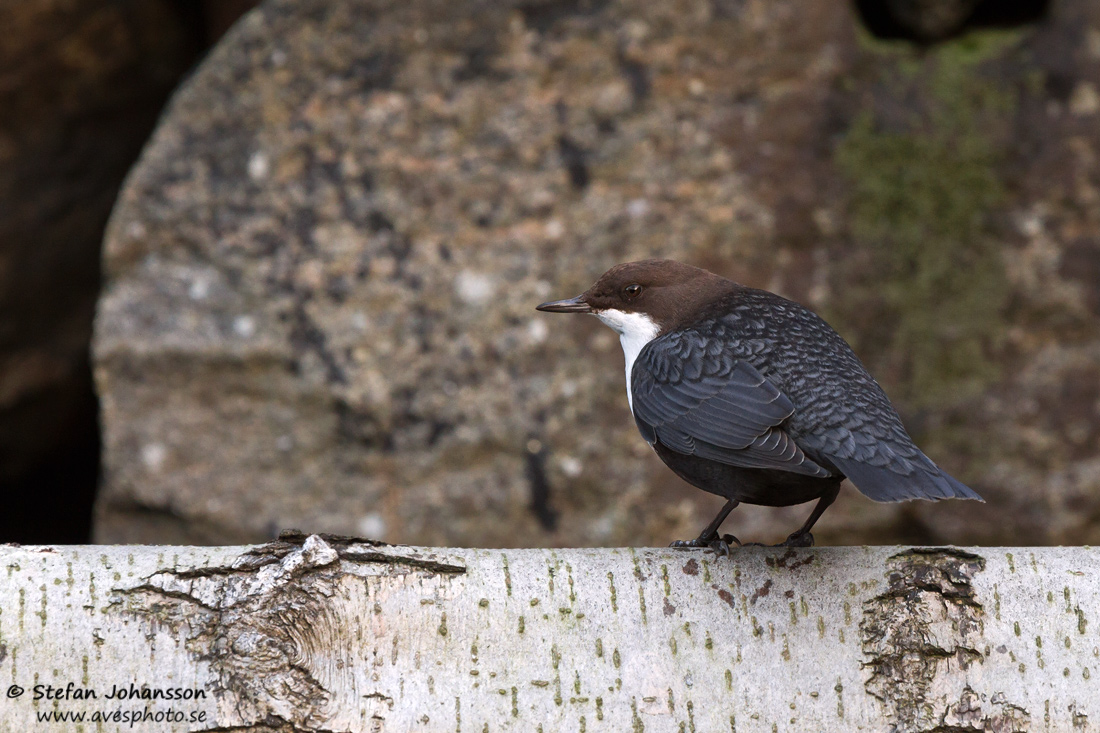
(753, 397)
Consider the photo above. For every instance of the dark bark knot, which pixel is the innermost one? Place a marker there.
(920, 636)
(273, 624)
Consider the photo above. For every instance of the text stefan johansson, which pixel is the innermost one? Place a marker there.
(117, 692)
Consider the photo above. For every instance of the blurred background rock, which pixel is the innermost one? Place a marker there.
(319, 279)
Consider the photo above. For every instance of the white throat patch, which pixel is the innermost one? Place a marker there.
(635, 331)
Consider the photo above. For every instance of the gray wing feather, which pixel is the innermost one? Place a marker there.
(698, 400)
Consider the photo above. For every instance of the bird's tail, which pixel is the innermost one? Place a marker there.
(881, 483)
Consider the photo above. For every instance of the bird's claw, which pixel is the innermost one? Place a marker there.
(721, 545)
(798, 539)
(717, 545)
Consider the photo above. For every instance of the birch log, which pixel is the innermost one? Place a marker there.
(330, 634)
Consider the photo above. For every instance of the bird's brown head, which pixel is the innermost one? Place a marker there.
(664, 292)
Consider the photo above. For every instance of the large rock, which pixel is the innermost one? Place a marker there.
(321, 276)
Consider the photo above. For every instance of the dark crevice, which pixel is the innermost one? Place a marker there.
(49, 438)
(955, 552)
(575, 160)
(637, 76)
(376, 71)
(540, 486)
(307, 337)
(543, 15)
(360, 426)
(927, 23)
(1008, 13)
(51, 501)
(417, 563)
(177, 595)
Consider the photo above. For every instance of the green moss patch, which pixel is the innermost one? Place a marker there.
(922, 280)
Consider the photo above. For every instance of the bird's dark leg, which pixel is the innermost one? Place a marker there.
(802, 537)
(709, 536)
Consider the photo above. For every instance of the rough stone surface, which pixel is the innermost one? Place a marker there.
(321, 276)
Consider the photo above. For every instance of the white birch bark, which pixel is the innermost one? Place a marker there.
(328, 635)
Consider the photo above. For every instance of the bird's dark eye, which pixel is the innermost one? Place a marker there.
(632, 291)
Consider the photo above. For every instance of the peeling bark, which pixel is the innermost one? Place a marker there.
(326, 633)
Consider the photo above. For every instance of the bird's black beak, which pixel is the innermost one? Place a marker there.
(570, 305)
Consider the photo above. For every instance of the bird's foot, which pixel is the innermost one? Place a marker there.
(721, 545)
(798, 539)
(717, 545)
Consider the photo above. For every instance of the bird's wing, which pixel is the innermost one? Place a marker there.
(695, 397)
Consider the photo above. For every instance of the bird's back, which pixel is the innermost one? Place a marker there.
(842, 418)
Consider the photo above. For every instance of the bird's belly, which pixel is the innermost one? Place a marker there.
(765, 487)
